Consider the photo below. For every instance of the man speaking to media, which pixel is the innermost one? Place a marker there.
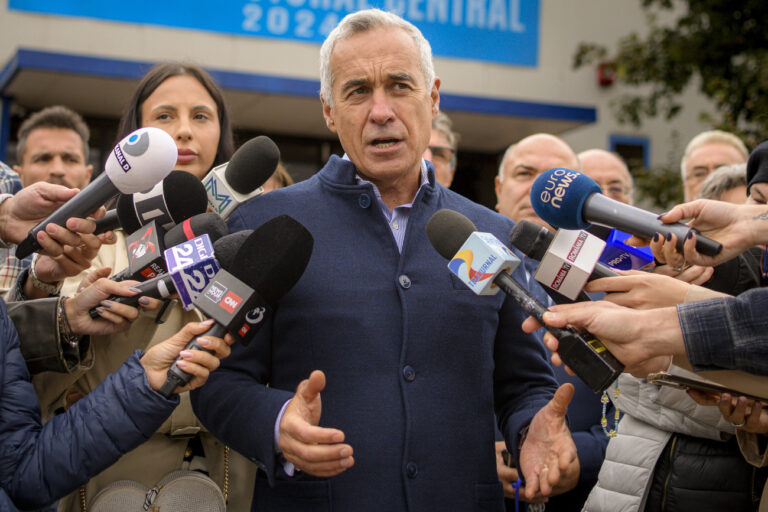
(412, 364)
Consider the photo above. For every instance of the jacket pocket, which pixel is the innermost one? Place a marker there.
(294, 495)
(489, 497)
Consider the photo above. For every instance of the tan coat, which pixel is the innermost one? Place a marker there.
(164, 452)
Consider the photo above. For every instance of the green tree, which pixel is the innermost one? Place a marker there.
(720, 44)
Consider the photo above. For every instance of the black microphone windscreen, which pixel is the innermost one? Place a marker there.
(227, 247)
(252, 164)
(531, 239)
(127, 215)
(184, 195)
(209, 223)
(273, 257)
(448, 230)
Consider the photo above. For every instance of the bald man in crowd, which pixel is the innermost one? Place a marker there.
(522, 164)
(609, 171)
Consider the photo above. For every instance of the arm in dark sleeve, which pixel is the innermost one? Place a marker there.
(41, 344)
(523, 378)
(727, 333)
(40, 464)
(236, 405)
(239, 408)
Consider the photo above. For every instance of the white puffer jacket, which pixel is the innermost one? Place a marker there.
(651, 414)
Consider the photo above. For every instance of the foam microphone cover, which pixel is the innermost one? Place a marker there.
(252, 164)
(184, 195)
(273, 257)
(227, 247)
(448, 230)
(531, 239)
(558, 196)
(203, 223)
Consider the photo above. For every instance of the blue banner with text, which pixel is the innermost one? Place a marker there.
(503, 31)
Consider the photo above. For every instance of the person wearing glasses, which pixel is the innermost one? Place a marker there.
(706, 152)
(609, 171)
(521, 165)
(442, 149)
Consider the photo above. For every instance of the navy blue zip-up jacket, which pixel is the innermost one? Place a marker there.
(413, 359)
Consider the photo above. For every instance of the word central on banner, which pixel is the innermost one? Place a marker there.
(504, 31)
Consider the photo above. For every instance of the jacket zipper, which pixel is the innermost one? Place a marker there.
(669, 474)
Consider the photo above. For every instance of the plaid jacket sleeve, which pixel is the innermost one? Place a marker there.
(727, 333)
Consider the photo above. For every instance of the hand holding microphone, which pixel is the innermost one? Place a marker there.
(571, 200)
(737, 227)
(450, 234)
(267, 264)
(139, 161)
(642, 340)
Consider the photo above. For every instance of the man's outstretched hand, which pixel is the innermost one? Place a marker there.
(548, 456)
(315, 450)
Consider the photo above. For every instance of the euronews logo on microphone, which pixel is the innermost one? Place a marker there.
(479, 260)
(556, 185)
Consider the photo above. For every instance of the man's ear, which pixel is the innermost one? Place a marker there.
(434, 95)
(497, 183)
(328, 115)
(89, 173)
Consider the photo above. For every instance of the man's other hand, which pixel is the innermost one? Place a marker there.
(315, 450)
(548, 457)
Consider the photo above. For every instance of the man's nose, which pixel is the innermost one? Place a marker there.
(381, 109)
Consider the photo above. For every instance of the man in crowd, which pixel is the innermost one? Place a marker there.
(443, 144)
(706, 152)
(409, 363)
(52, 147)
(521, 165)
(609, 171)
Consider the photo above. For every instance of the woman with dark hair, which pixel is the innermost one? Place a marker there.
(183, 100)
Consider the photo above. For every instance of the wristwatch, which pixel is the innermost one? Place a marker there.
(50, 289)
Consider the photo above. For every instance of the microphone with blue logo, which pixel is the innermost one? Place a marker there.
(484, 264)
(569, 199)
(136, 163)
(260, 267)
(230, 184)
(189, 263)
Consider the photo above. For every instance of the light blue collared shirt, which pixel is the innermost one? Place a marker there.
(398, 217)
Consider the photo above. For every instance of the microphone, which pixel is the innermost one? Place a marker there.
(230, 184)
(270, 262)
(534, 240)
(571, 200)
(177, 197)
(450, 233)
(191, 264)
(140, 160)
(208, 224)
(108, 222)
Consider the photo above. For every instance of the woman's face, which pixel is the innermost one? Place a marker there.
(758, 193)
(182, 107)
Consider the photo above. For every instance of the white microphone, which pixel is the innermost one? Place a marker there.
(230, 184)
(137, 163)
